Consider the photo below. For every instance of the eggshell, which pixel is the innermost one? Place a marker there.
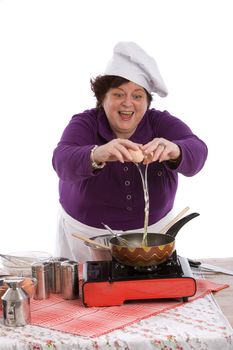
(136, 155)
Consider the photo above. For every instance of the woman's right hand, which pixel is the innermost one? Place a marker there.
(115, 150)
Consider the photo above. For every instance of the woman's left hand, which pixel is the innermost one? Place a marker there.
(160, 149)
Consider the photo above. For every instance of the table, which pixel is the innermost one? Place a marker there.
(224, 297)
(194, 326)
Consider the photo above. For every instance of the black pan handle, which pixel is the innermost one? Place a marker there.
(174, 229)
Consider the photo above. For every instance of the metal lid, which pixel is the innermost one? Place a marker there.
(40, 266)
(72, 265)
(14, 282)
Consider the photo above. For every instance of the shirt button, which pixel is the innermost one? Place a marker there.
(127, 183)
(126, 168)
(128, 196)
(160, 173)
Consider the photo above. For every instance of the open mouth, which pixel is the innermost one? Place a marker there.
(126, 115)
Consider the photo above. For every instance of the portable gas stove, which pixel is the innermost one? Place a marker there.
(109, 283)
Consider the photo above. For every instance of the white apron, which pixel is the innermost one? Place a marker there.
(73, 248)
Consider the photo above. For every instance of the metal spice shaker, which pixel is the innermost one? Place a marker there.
(40, 271)
(70, 281)
(55, 274)
(16, 304)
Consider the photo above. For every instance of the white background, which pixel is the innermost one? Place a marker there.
(49, 49)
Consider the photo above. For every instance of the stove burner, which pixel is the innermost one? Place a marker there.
(146, 269)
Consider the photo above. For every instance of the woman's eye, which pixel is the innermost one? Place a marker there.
(118, 94)
(137, 97)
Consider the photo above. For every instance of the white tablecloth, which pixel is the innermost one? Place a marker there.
(199, 325)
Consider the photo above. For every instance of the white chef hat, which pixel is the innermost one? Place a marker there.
(131, 62)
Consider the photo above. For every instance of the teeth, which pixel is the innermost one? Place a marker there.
(128, 113)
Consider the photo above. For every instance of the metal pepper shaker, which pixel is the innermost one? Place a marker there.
(70, 280)
(40, 271)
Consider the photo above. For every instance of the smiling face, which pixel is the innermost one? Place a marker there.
(124, 107)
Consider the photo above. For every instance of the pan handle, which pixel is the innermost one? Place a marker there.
(174, 229)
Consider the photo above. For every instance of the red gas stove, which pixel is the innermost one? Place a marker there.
(109, 283)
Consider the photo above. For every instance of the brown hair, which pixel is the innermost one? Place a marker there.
(102, 83)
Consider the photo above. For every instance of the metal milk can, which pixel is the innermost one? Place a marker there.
(16, 304)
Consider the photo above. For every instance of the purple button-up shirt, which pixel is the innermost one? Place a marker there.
(114, 195)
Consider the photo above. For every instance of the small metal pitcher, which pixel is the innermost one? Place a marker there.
(16, 304)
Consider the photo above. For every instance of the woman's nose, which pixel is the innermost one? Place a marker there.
(127, 100)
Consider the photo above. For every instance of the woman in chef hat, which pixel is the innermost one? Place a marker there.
(94, 160)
